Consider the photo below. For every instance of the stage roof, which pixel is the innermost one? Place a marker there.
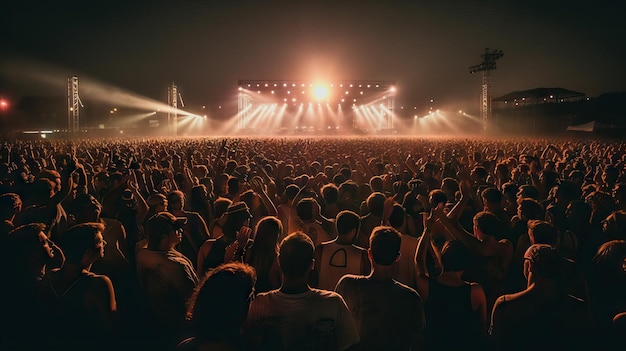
(541, 94)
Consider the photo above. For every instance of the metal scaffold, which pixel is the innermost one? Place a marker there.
(172, 117)
(73, 105)
(488, 64)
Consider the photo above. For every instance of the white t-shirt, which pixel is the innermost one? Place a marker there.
(313, 320)
(338, 260)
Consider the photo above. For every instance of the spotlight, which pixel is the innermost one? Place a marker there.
(320, 92)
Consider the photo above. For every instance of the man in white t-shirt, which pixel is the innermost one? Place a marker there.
(298, 317)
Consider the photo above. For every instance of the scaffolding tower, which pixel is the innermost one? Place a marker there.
(172, 117)
(488, 64)
(73, 103)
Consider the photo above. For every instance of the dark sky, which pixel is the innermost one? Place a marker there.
(206, 46)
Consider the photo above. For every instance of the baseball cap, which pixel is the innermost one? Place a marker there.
(163, 222)
(156, 199)
(235, 207)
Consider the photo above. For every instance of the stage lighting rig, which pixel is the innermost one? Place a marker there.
(488, 64)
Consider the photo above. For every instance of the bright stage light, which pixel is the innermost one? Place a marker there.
(392, 89)
(320, 92)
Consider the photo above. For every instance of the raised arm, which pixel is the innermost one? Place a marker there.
(455, 229)
(259, 188)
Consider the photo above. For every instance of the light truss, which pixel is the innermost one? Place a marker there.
(488, 64)
(292, 94)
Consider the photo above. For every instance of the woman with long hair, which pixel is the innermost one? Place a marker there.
(263, 254)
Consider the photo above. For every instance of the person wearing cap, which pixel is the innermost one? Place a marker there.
(156, 203)
(166, 277)
(195, 231)
(543, 316)
(231, 245)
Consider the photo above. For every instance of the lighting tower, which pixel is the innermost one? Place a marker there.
(73, 103)
(488, 64)
(172, 117)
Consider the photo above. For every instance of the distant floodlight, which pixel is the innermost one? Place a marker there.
(320, 92)
(392, 89)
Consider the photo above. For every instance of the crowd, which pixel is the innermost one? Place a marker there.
(313, 244)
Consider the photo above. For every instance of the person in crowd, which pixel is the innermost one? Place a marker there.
(10, 205)
(29, 255)
(389, 315)
(453, 306)
(395, 217)
(493, 202)
(319, 228)
(494, 255)
(195, 231)
(527, 209)
(220, 206)
(80, 305)
(375, 205)
(201, 200)
(231, 245)
(225, 291)
(262, 255)
(166, 278)
(296, 316)
(338, 257)
(543, 315)
(330, 196)
(46, 194)
(157, 203)
(287, 210)
(86, 209)
(607, 287)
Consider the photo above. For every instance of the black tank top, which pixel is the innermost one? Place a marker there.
(451, 323)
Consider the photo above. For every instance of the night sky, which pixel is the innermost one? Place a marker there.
(206, 46)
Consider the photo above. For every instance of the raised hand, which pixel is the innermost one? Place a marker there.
(256, 184)
(243, 234)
